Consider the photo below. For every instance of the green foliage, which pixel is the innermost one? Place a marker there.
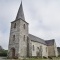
(44, 57)
(49, 57)
(3, 53)
(59, 56)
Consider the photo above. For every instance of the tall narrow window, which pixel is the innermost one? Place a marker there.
(13, 37)
(24, 26)
(24, 38)
(38, 48)
(27, 38)
(15, 25)
(33, 47)
(46, 49)
(41, 48)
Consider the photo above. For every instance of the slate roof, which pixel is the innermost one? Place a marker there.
(20, 13)
(36, 39)
(50, 42)
(45, 42)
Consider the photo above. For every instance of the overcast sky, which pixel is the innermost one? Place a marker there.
(43, 17)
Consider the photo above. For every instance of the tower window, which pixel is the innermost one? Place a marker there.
(33, 47)
(38, 48)
(27, 38)
(24, 38)
(24, 26)
(13, 37)
(15, 25)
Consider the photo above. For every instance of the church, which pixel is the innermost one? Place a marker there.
(22, 44)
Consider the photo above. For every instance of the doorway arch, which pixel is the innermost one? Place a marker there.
(13, 52)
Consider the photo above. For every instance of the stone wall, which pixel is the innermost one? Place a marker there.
(23, 42)
(14, 43)
(52, 50)
(55, 48)
(37, 49)
(20, 42)
(58, 48)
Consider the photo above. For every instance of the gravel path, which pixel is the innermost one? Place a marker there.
(1, 58)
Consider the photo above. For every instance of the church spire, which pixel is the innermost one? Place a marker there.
(20, 13)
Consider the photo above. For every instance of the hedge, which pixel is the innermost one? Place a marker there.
(3, 53)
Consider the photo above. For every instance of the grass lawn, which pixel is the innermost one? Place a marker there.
(36, 59)
(54, 58)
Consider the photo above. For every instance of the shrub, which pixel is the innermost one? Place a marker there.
(49, 57)
(59, 56)
(44, 57)
(3, 53)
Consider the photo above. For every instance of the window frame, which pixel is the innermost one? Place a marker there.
(24, 38)
(33, 47)
(13, 37)
(24, 26)
(14, 25)
(46, 49)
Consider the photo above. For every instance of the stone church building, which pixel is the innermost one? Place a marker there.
(23, 44)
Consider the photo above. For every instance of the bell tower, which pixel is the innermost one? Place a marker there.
(18, 36)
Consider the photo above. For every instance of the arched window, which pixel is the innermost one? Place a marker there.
(41, 48)
(27, 38)
(24, 26)
(24, 38)
(46, 49)
(33, 47)
(15, 25)
(13, 37)
(38, 48)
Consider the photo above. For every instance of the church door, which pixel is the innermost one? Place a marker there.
(13, 52)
